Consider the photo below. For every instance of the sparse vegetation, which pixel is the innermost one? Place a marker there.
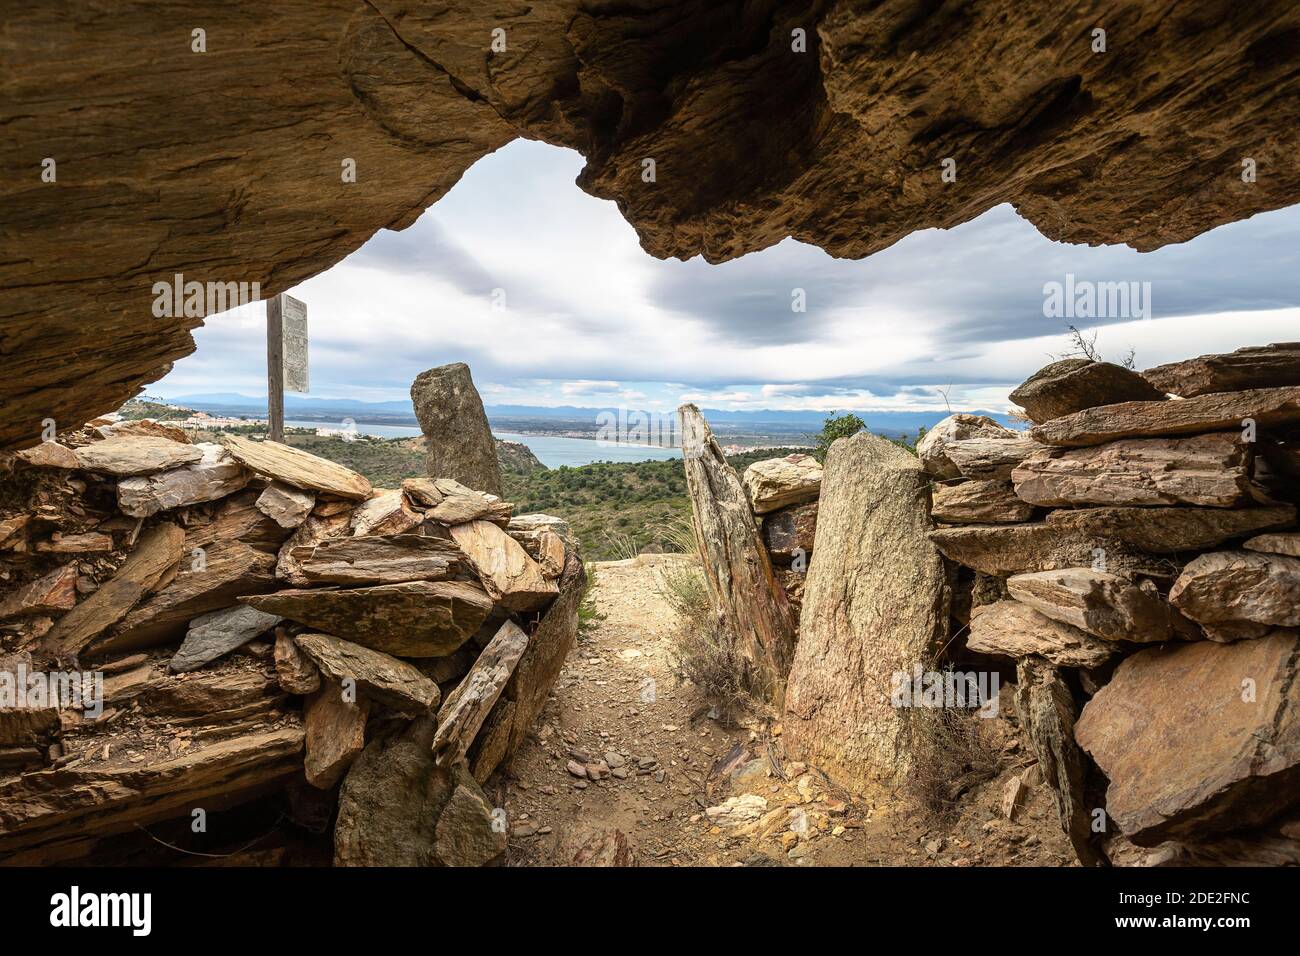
(616, 509)
(951, 750)
(837, 426)
(704, 654)
(1085, 346)
(155, 408)
(588, 614)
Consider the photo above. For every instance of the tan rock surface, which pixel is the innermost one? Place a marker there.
(157, 551)
(778, 482)
(203, 583)
(1226, 588)
(979, 502)
(1198, 738)
(1074, 384)
(127, 455)
(988, 459)
(507, 573)
(1208, 470)
(931, 449)
(1002, 549)
(379, 559)
(846, 173)
(1287, 544)
(1103, 604)
(1266, 366)
(294, 669)
(1012, 629)
(50, 454)
(1162, 530)
(386, 513)
(335, 733)
(1267, 407)
(53, 592)
(288, 507)
(308, 534)
(379, 676)
(298, 468)
(466, 708)
(215, 475)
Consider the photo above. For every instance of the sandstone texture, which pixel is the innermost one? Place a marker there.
(414, 619)
(777, 482)
(211, 700)
(1226, 589)
(1266, 407)
(932, 448)
(1268, 366)
(1286, 544)
(980, 502)
(1103, 604)
(1198, 739)
(379, 676)
(125, 456)
(1013, 629)
(214, 475)
(1210, 470)
(837, 143)
(297, 468)
(1071, 385)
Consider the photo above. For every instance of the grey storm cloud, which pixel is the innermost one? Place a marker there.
(985, 279)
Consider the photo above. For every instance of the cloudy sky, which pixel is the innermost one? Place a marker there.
(943, 317)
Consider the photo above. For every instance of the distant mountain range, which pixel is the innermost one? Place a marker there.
(401, 413)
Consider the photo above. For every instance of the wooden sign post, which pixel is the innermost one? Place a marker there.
(286, 357)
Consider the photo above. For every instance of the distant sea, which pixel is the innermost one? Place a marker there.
(551, 451)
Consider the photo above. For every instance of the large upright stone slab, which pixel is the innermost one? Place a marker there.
(451, 415)
(876, 603)
(756, 616)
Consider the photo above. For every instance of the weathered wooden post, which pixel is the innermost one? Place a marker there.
(286, 357)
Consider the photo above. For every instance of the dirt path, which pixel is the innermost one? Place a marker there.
(629, 759)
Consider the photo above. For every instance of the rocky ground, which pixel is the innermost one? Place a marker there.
(665, 782)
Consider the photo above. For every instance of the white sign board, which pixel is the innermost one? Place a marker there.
(293, 314)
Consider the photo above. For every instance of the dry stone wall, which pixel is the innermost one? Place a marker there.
(257, 619)
(1150, 579)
